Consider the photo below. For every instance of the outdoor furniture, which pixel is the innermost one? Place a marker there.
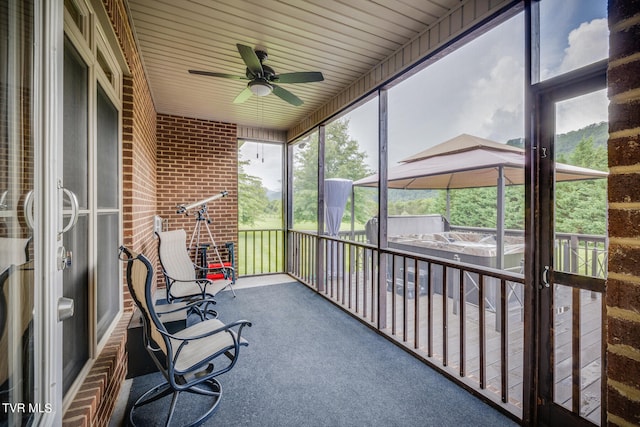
(184, 279)
(190, 359)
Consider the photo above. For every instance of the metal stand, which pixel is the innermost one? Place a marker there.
(202, 217)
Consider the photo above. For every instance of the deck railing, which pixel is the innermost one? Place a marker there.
(260, 252)
(463, 319)
(584, 254)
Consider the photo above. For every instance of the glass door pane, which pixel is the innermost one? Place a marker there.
(108, 279)
(108, 217)
(107, 152)
(75, 176)
(580, 216)
(580, 252)
(17, 382)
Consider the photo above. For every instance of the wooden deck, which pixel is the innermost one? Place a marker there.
(403, 329)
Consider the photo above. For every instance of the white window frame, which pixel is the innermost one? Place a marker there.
(88, 40)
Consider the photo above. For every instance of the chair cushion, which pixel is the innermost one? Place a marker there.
(174, 257)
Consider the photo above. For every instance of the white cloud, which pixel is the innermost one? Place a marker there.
(265, 162)
(587, 44)
(494, 107)
(582, 111)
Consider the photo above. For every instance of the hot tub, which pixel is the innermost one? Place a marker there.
(467, 247)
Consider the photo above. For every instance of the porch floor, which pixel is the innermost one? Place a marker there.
(431, 332)
(311, 364)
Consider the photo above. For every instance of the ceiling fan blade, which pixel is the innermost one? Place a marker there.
(243, 96)
(299, 77)
(213, 74)
(287, 96)
(250, 58)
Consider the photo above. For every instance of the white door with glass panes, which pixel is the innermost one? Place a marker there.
(30, 212)
(60, 291)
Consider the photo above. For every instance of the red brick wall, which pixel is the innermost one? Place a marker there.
(94, 403)
(623, 284)
(198, 159)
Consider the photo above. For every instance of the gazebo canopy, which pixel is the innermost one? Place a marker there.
(468, 161)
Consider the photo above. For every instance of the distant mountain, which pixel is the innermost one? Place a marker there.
(274, 195)
(516, 142)
(396, 195)
(567, 142)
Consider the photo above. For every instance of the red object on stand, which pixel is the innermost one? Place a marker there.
(218, 275)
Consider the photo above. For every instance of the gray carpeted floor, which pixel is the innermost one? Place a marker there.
(310, 364)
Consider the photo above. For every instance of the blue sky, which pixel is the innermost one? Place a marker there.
(479, 89)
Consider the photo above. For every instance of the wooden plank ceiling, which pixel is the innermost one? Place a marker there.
(341, 39)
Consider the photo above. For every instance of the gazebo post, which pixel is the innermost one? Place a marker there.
(500, 221)
(499, 241)
(448, 211)
(353, 212)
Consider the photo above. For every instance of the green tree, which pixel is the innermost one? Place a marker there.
(471, 207)
(343, 159)
(252, 200)
(581, 206)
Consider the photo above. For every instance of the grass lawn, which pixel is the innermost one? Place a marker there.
(261, 245)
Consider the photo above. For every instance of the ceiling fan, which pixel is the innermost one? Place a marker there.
(262, 78)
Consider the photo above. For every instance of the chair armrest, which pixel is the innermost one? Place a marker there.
(225, 327)
(193, 353)
(185, 280)
(183, 306)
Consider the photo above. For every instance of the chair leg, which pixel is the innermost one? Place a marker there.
(153, 394)
(209, 387)
(216, 391)
(172, 408)
(158, 392)
(232, 290)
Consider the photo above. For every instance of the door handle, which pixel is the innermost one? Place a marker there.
(27, 207)
(65, 308)
(3, 201)
(545, 277)
(75, 207)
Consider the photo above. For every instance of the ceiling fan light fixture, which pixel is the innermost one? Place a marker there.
(260, 87)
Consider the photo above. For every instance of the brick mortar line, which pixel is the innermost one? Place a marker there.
(625, 133)
(625, 241)
(623, 61)
(624, 278)
(623, 170)
(626, 96)
(625, 351)
(622, 206)
(618, 421)
(625, 24)
(623, 314)
(625, 390)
